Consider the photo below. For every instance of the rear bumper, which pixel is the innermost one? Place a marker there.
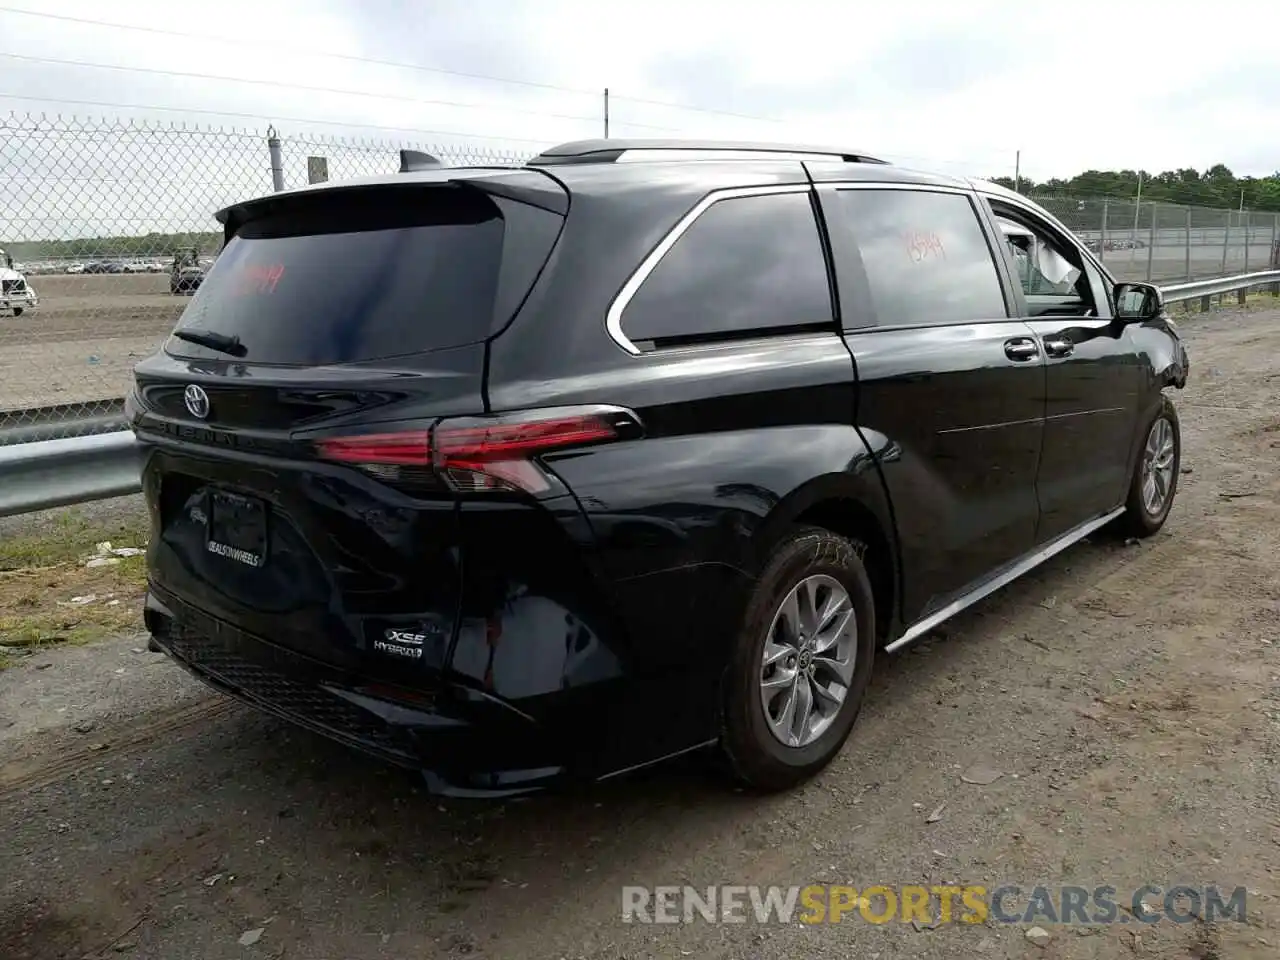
(462, 742)
(536, 668)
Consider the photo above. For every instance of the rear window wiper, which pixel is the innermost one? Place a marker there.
(213, 340)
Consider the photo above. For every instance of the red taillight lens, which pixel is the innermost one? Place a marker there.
(484, 454)
(505, 440)
(477, 456)
(411, 448)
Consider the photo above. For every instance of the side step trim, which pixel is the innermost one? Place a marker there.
(1028, 563)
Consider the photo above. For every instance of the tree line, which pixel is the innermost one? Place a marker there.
(157, 245)
(1215, 187)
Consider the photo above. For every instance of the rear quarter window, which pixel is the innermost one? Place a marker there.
(746, 264)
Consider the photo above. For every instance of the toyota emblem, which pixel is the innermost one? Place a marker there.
(197, 401)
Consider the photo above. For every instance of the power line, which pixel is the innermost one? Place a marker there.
(961, 162)
(266, 119)
(276, 48)
(151, 71)
(722, 113)
(275, 119)
(353, 58)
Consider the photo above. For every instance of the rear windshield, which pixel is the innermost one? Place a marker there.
(345, 281)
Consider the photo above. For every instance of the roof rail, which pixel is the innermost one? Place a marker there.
(624, 151)
(412, 161)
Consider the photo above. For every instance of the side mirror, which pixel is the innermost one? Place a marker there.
(1138, 301)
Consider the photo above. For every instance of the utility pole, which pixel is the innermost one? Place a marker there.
(277, 162)
(606, 113)
(1137, 207)
(1017, 171)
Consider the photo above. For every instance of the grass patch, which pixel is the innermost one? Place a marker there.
(49, 597)
(69, 537)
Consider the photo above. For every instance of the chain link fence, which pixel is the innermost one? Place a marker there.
(106, 223)
(1167, 243)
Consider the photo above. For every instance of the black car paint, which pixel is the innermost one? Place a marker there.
(584, 633)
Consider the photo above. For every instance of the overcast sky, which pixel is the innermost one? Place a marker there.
(957, 85)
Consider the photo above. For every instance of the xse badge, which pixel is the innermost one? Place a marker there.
(401, 643)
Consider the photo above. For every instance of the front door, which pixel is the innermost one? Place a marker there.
(1092, 372)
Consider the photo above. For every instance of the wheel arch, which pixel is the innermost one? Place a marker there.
(853, 506)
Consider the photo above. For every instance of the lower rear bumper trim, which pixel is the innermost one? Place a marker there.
(456, 756)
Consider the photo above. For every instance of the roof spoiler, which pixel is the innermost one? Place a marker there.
(411, 161)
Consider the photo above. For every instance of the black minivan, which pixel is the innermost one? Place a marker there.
(528, 475)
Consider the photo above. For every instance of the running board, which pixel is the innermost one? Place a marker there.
(1030, 562)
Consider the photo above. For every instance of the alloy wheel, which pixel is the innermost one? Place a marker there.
(808, 661)
(1157, 466)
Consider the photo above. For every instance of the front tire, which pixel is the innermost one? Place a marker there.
(802, 661)
(1155, 475)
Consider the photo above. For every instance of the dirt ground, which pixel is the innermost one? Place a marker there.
(84, 339)
(1126, 693)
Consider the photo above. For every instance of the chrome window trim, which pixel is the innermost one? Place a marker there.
(613, 319)
(895, 185)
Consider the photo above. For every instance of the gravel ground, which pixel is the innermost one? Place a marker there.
(1126, 693)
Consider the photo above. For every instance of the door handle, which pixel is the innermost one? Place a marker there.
(1021, 348)
(1059, 346)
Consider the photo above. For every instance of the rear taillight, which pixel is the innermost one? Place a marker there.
(411, 448)
(483, 454)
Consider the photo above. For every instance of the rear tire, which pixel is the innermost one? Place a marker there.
(1155, 474)
(801, 663)
(17, 312)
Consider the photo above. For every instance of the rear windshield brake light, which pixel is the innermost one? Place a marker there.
(480, 454)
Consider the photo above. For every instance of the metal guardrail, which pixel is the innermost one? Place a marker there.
(55, 473)
(42, 474)
(1204, 290)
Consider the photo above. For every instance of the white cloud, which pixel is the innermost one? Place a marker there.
(933, 83)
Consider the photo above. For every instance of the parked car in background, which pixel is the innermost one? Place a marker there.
(1126, 243)
(642, 448)
(16, 295)
(186, 274)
